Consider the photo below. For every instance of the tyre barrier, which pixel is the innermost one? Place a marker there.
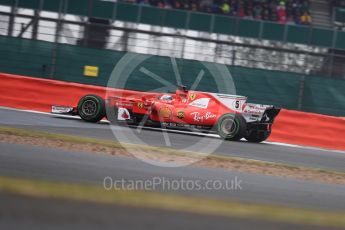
(292, 127)
(309, 129)
(39, 94)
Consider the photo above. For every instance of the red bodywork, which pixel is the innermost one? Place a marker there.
(183, 107)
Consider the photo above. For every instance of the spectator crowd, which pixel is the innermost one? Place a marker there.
(282, 11)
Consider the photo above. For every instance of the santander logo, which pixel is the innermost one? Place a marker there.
(124, 115)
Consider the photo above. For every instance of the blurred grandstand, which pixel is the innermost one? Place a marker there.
(282, 11)
(265, 34)
(235, 50)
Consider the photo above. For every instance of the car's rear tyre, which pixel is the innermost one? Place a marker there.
(91, 108)
(257, 137)
(231, 127)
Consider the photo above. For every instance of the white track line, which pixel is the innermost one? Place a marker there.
(177, 131)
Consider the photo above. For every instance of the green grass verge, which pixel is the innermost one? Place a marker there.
(86, 140)
(88, 193)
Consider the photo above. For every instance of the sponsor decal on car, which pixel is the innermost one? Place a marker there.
(123, 114)
(200, 103)
(123, 104)
(192, 96)
(200, 118)
(180, 114)
(165, 112)
(140, 105)
(61, 109)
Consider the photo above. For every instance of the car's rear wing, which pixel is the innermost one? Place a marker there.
(260, 113)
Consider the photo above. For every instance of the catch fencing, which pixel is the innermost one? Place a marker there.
(54, 39)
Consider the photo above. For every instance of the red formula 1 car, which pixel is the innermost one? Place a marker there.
(228, 115)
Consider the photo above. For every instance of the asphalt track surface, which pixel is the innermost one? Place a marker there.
(300, 156)
(73, 167)
(33, 213)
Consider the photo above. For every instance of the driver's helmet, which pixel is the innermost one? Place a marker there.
(166, 97)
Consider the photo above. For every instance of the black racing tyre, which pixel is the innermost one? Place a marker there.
(91, 108)
(231, 127)
(257, 137)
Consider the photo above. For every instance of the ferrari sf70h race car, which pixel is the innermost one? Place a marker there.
(227, 115)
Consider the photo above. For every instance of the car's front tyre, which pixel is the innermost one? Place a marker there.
(91, 108)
